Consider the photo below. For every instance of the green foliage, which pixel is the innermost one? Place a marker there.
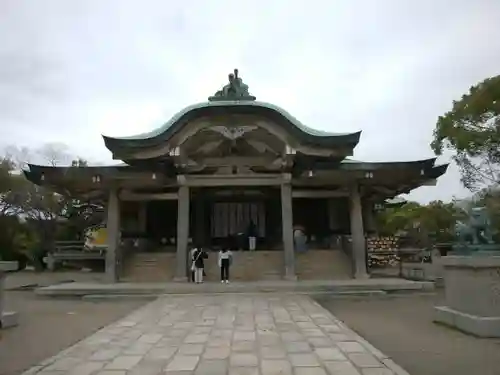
(490, 198)
(41, 208)
(397, 218)
(471, 130)
(435, 220)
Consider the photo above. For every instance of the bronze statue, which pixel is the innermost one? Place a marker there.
(475, 232)
(234, 90)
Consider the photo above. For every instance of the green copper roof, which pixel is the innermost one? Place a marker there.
(156, 132)
(233, 98)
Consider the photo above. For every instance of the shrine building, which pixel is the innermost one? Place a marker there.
(216, 166)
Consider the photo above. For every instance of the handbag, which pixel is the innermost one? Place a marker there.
(193, 267)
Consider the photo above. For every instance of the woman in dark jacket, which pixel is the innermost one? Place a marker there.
(199, 257)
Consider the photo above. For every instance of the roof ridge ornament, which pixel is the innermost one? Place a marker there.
(234, 90)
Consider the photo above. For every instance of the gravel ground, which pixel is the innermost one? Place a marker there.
(402, 328)
(48, 326)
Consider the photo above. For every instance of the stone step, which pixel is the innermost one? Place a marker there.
(323, 265)
(149, 267)
(331, 287)
(246, 266)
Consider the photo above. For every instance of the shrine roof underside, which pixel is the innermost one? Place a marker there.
(385, 180)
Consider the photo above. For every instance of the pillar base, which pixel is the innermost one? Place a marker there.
(290, 277)
(361, 275)
(180, 279)
(477, 325)
(111, 279)
(9, 319)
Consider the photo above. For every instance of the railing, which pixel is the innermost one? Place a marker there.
(72, 251)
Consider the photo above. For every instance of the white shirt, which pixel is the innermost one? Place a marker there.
(224, 255)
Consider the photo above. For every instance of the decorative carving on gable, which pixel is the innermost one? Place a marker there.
(174, 151)
(209, 146)
(232, 133)
(234, 169)
(290, 150)
(261, 147)
(233, 149)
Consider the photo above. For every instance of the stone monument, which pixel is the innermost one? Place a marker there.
(7, 319)
(471, 273)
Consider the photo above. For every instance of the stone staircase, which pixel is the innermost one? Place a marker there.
(247, 266)
(330, 264)
(149, 267)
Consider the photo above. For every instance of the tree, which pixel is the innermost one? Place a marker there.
(471, 129)
(55, 154)
(434, 221)
(43, 209)
(7, 199)
(11, 228)
(393, 220)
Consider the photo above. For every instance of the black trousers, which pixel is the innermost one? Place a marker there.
(224, 269)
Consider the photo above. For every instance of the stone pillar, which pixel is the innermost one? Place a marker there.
(199, 236)
(287, 223)
(368, 217)
(113, 236)
(2, 298)
(142, 217)
(142, 225)
(332, 217)
(333, 223)
(182, 234)
(7, 318)
(357, 234)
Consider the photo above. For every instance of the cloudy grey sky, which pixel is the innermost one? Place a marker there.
(72, 70)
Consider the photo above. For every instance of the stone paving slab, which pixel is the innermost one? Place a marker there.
(223, 335)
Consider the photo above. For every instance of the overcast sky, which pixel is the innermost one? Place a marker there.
(73, 70)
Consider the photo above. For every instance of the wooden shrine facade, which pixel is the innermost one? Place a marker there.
(217, 165)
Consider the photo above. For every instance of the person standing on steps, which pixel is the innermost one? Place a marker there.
(252, 235)
(199, 257)
(193, 251)
(225, 260)
(299, 239)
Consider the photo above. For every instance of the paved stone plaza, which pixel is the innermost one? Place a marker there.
(223, 334)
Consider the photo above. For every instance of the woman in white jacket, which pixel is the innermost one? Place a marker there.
(225, 260)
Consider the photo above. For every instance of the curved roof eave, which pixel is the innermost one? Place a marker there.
(369, 166)
(438, 170)
(176, 122)
(32, 177)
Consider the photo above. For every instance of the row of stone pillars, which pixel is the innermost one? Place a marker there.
(183, 202)
(113, 258)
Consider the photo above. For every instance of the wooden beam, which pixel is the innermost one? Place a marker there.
(235, 160)
(232, 180)
(319, 193)
(131, 196)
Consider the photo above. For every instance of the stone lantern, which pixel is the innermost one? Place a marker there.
(7, 319)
